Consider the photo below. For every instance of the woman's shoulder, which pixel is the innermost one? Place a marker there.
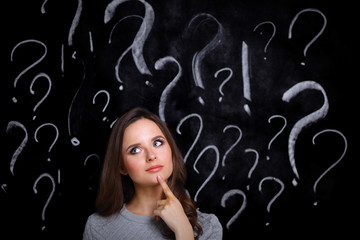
(98, 226)
(212, 228)
(95, 218)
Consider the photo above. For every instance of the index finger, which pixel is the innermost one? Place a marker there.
(165, 187)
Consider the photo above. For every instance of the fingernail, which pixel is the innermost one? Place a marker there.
(159, 177)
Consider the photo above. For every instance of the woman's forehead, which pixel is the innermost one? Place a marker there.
(142, 128)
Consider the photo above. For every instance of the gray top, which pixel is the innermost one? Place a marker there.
(127, 225)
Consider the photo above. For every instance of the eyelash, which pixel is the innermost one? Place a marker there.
(132, 151)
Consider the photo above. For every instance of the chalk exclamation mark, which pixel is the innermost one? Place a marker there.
(245, 75)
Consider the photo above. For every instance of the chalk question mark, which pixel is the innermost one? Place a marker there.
(200, 55)
(305, 121)
(139, 40)
(213, 170)
(278, 133)
(117, 67)
(254, 165)
(16, 154)
(33, 92)
(31, 65)
(229, 194)
(225, 81)
(336, 162)
(316, 36)
(55, 139)
(98, 162)
(45, 175)
(272, 36)
(159, 65)
(282, 186)
(107, 101)
(75, 141)
(197, 135)
(232, 145)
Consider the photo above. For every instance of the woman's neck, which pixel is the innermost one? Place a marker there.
(144, 200)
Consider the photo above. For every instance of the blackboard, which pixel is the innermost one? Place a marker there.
(260, 97)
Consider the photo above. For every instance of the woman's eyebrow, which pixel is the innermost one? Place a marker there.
(131, 146)
(157, 137)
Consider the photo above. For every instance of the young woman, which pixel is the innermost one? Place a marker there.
(142, 187)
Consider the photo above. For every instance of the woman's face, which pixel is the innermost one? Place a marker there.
(146, 153)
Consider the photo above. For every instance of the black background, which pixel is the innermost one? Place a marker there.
(79, 65)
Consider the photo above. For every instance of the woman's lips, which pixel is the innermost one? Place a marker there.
(154, 168)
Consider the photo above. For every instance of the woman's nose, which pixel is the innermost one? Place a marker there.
(150, 155)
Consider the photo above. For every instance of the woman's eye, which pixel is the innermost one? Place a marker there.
(135, 150)
(158, 142)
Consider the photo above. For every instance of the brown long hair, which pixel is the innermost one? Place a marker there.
(116, 189)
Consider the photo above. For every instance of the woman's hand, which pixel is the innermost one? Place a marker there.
(172, 212)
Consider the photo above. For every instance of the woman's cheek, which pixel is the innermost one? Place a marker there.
(134, 168)
(169, 168)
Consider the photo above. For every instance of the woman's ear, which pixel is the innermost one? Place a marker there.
(123, 171)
